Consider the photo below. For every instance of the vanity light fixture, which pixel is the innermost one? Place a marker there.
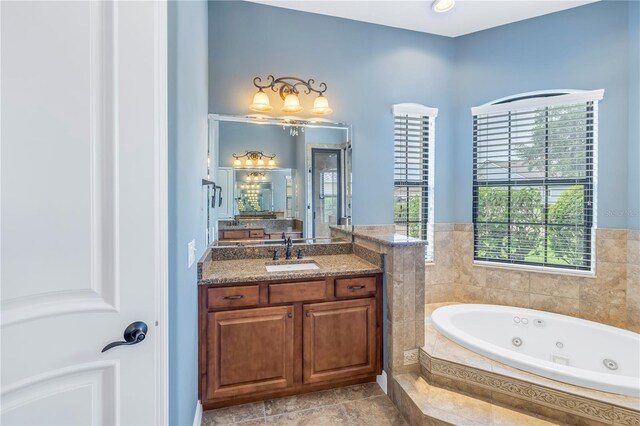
(256, 176)
(288, 88)
(441, 6)
(254, 158)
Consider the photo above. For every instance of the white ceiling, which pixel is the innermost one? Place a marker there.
(467, 16)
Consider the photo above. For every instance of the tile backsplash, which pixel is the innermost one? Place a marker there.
(611, 297)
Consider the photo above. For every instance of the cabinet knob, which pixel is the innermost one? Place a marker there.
(289, 315)
(307, 314)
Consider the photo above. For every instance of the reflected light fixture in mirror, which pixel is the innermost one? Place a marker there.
(289, 89)
(254, 158)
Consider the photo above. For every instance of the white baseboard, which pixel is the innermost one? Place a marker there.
(197, 419)
(382, 381)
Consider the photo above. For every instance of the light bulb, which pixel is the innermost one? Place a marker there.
(272, 162)
(321, 106)
(260, 162)
(441, 6)
(248, 162)
(291, 103)
(260, 102)
(236, 162)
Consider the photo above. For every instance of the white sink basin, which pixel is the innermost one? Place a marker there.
(292, 267)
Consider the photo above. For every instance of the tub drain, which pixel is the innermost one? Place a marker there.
(610, 364)
(517, 342)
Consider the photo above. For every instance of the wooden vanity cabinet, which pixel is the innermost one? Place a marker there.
(250, 350)
(295, 336)
(339, 339)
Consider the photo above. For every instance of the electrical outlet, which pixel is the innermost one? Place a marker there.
(191, 250)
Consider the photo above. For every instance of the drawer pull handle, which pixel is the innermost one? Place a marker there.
(356, 287)
(241, 296)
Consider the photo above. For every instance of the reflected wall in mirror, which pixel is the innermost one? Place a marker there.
(276, 178)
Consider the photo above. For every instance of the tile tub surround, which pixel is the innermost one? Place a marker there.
(358, 405)
(440, 273)
(405, 274)
(611, 297)
(422, 403)
(449, 365)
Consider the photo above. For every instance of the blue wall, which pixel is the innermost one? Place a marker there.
(634, 116)
(188, 78)
(368, 68)
(581, 48)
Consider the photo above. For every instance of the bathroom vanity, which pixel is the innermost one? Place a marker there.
(269, 334)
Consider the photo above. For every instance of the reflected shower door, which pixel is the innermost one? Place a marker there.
(327, 190)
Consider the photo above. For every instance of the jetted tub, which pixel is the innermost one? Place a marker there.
(559, 347)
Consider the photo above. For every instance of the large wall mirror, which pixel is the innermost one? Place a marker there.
(270, 179)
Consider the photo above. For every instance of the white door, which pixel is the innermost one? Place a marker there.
(83, 211)
(226, 179)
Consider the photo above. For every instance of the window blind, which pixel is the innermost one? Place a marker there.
(413, 172)
(534, 174)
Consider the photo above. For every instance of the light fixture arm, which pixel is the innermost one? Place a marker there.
(286, 85)
(253, 155)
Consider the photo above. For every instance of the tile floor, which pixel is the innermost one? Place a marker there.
(355, 405)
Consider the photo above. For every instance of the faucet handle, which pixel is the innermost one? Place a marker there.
(275, 255)
(300, 254)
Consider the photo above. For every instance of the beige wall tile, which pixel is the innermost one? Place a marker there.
(470, 294)
(633, 234)
(633, 252)
(559, 305)
(508, 280)
(604, 312)
(507, 297)
(611, 233)
(611, 250)
(409, 335)
(609, 286)
(440, 293)
(555, 285)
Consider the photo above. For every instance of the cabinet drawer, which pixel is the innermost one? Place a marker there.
(256, 233)
(234, 235)
(227, 297)
(297, 292)
(350, 287)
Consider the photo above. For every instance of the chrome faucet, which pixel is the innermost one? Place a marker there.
(288, 252)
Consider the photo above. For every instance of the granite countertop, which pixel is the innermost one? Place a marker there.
(249, 270)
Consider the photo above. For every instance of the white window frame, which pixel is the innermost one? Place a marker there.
(530, 100)
(415, 110)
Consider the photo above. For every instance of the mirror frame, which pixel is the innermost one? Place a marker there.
(287, 121)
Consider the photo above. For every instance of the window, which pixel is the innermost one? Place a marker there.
(413, 171)
(534, 175)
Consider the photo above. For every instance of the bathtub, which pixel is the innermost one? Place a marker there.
(559, 347)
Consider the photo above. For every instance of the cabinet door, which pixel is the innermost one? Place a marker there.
(249, 350)
(339, 339)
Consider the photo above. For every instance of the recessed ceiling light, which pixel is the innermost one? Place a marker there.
(443, 5)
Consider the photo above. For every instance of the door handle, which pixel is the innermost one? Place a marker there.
(134, 333)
